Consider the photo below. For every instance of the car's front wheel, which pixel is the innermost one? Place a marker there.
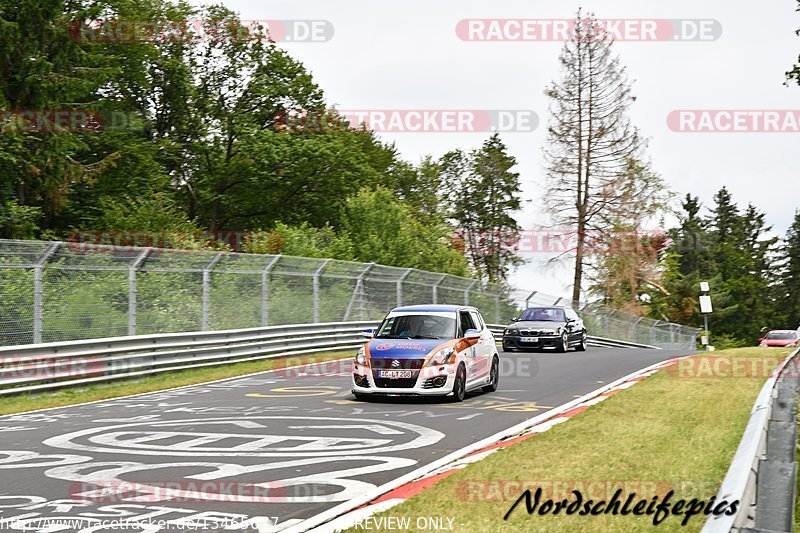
(563, 344)
(583, 344)
(460, 385)
(494, 376)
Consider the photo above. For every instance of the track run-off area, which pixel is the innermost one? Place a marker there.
(263, 452)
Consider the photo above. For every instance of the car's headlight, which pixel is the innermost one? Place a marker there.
(361, 356)
(511, 332)
(549, 331)
(442, 357)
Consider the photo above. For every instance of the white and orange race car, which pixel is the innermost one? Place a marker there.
(428, 350)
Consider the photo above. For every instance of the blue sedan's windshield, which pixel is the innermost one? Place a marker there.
(417, 327)
(543, 314)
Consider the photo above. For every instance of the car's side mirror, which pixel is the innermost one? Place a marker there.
(472, 334)
(515, 319)
(571, 320)
(368, 333)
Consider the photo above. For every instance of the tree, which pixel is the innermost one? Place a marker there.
(590, 140)
(626, 254)
(788, 294)
(483, 193)
(729, 249)
(384, 230)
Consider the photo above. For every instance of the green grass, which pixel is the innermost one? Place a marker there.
(667, 432)
(125, 387)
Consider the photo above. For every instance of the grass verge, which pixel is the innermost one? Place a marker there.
(676, 430)
(166, 380)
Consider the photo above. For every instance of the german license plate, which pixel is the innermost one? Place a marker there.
(395, 374)
(530, 339)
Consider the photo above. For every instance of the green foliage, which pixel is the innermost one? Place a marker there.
(157, 212)
(483, 194)
(729, 249)
(19, 221)
(384, 230)
(788, 288)
(302, 241)
(193, 139)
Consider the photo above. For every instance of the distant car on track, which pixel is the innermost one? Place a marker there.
(781, 338)
(537, 328)
(428, 350)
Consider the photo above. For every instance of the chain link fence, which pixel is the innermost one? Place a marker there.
(60, 291)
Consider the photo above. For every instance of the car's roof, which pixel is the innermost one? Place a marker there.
(783, 331)
(547, 307)
(430, 308)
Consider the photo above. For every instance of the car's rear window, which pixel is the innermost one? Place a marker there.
(781, 335)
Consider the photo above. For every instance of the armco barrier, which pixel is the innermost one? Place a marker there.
(751, 465)
(41, 367)
(593, 340)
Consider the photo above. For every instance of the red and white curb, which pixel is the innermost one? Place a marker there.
(393, 493)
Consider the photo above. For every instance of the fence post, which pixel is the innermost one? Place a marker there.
(399, 286)
(37, 290)
(315, 285)
(132, 289)
(528, 299)
(435, 290)
(265, 290)
(358, 291)
(466, 291)
(207, 289)
(653, 332)
(497, 308)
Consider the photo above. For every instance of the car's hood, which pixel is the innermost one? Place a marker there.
(402, 348)
(536, 324)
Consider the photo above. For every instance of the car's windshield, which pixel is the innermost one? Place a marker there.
(417, 327)
(781, 335)
(543, 314)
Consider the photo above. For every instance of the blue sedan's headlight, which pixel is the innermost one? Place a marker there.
(442, 357)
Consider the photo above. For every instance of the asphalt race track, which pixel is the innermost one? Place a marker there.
(259, 453)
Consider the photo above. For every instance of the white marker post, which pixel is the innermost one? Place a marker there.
(706, 308)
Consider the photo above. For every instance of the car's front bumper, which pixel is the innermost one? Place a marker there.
(544, 341)
(427, 381)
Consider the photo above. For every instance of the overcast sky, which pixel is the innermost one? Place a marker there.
(407, 55)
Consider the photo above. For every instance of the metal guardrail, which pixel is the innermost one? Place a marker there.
(43, 367)
(745, 478)
(593, 340)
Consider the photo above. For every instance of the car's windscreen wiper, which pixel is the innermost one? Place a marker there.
(425, 337)
(391, 337)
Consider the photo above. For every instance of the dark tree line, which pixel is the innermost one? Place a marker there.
(754, 278)
(190, 135)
